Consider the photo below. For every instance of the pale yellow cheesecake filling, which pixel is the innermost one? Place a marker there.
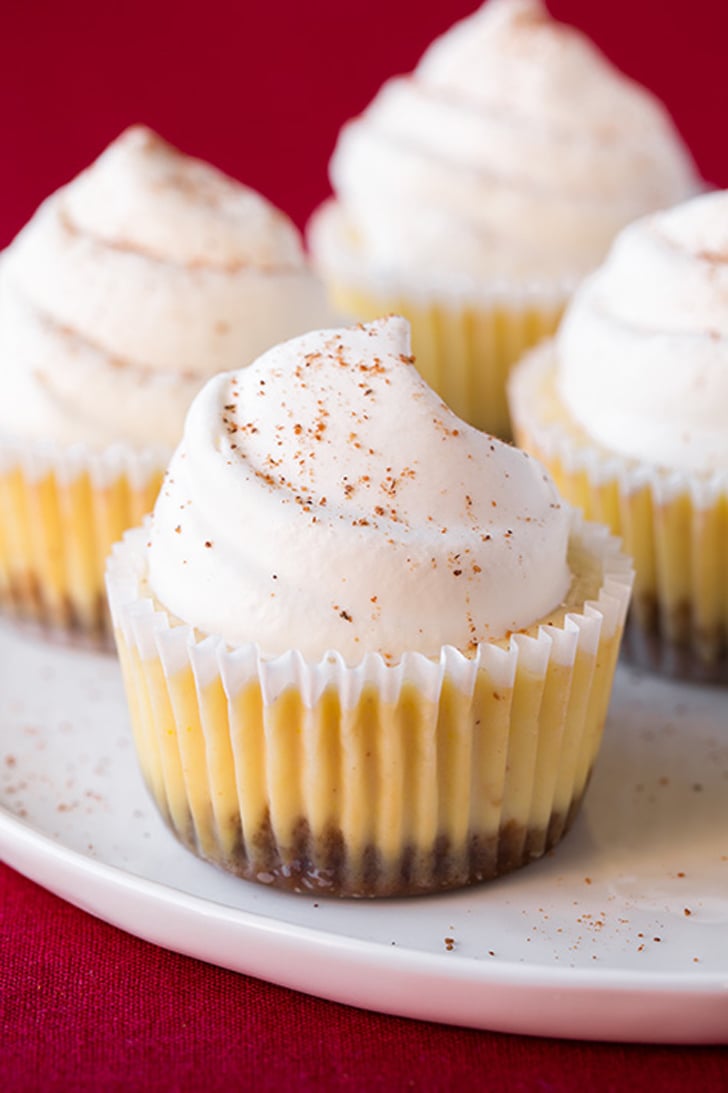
(673, 525)
(391, 793)
(56, 532)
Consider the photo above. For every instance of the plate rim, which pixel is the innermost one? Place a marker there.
(668, 1002)
(562, 977)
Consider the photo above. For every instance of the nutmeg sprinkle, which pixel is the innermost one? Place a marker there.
(351, 478)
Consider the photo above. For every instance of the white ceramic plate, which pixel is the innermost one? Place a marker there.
(619, 934)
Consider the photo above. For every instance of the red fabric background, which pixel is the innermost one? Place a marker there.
(260, 90)
(84, 1007)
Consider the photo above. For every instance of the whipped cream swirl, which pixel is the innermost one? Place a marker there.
(643, 350)
(325, 498)
(132, 285)
(514, 150)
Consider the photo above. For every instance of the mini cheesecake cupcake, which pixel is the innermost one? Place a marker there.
(473, 195)
(367, 649)
(129, 287)
(628, 408)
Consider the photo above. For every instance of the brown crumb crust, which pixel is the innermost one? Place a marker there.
(23, 599)
(672, 644)
(323, 864)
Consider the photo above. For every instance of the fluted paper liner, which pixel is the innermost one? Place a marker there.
(466, 334)
(61, 509)
(374, 779)
(673, 524)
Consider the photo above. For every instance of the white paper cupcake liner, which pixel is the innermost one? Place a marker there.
(372, 779)
(674, 525)
(61, 509)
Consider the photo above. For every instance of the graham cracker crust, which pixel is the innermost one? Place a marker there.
(24, 601)
(673, 645)
(323, 865)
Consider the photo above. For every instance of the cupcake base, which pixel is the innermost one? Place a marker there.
(61, 509)
(674, 526)
(322, 864)
(647, 645)
(24, 603)
(372, 780)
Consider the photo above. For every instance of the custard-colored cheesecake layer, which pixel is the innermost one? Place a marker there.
(674, 525)
(374, 780)
(57, 526)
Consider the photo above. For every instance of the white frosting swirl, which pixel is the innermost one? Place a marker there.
(514, 150)
(325, 498)
(133, 284)
(643, 349)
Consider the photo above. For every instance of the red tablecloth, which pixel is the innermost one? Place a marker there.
(86, 1007)
(261, 90)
